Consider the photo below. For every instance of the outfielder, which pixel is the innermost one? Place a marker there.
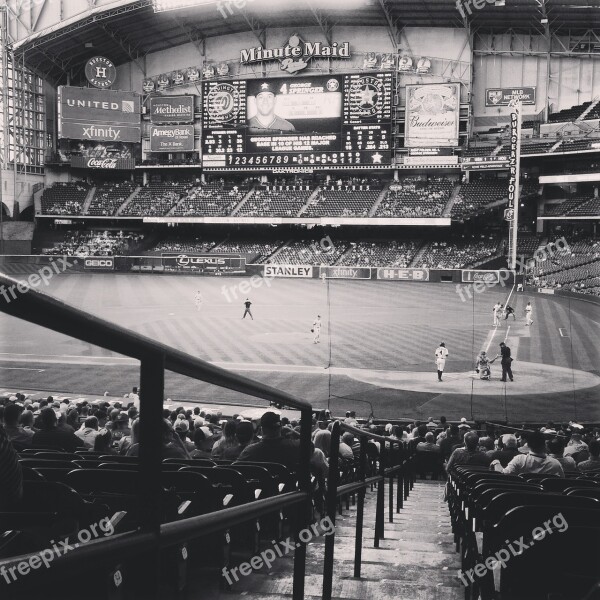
(440, 359)
(198, 300)
(316, 329)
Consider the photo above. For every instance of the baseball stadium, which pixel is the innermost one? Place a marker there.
(300, 300)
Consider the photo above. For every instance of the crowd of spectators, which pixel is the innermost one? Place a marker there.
(458, 254)
(415, 197)
(96, 243)
(64, 198)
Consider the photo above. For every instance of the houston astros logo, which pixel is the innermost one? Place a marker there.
(366, 96)
(223, 102)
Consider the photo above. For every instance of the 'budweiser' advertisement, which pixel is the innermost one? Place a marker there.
(172, 109)
(112, 163)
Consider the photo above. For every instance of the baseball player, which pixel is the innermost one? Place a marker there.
(482, 366)
(528, 314)
(440, 359)
(509, 310)
(316, 329)
(247, 305)
(497, 310)
(198, 300)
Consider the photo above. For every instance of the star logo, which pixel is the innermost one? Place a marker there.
(366, 95)
(377, 158)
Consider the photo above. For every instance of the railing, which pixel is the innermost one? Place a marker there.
(403, 470)
(40, 309)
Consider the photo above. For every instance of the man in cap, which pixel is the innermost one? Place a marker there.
(440, 359)
(265, 117)
(506, 361)
(273, 447)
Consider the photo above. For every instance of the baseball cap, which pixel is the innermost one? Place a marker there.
(265, 87)
(270, 419)
(182, 426)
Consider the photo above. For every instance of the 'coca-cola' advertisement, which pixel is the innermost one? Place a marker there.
(107, 162)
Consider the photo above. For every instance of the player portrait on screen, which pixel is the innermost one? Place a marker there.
(265, 118)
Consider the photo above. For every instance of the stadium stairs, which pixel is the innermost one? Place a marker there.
(416, 559)
(128, 201)
(88, 200)
(243, 201)
(379, 200)
(308, 201)
(448, 208)
(588, 110)
(417, 257)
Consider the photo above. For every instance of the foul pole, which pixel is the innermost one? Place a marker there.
(511, 214)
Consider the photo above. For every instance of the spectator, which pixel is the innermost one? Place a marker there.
(576, 447)
(322, 441)
(536, 461)
(11, 476)
(244, 434)
(556, 448)
(88, 431)
(272, 445)
(20, 438)
(592, 464)
(452, 440)
(172, 446)
(103, 442)
(51, 436)
(507, 449)
(203, 442)
(26, 421)
(181, 429)
(429, 444)
(470, 454)
(227, 440)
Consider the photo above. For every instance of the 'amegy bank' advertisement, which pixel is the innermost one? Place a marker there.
(98, 115)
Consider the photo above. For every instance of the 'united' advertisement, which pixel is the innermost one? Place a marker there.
(432, 115)
(98, 115)
(167, 110)
(172, 138)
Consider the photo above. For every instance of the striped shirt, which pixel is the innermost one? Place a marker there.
(11, 476)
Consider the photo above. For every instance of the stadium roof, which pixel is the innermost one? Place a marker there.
(127, 30)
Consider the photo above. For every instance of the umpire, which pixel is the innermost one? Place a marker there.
(506, 361)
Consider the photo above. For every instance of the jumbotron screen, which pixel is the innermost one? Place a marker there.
(288, 123)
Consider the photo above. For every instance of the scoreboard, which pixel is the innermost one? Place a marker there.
(327, 121)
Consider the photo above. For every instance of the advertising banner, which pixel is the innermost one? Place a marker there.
(503, 96)
(345, 272)
(101, 115)
(99, 263)
(288, 271)
(172, 138)
(484, 163)
(471, 276)
(432, 115)
(403, 274)
(203, 261)
(114, 164)
(167, 110)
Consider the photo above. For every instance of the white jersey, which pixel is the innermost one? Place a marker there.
(497, 308)
(441, 353)
(317, 325)
(529, 309)
(198, 298)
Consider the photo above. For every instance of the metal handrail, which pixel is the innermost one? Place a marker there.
(41, 309)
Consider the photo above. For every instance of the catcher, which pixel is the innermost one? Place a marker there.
(482, 366)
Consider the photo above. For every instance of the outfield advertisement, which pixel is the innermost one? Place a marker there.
(403, 274)
(98, 115)
(99, 263)
(171, 138)
(484, 276)
(190, 262)
(288, 271)
(345, 272)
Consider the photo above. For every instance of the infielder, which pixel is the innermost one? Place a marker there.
(316, 329)
(440, 359)
(528, 314)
